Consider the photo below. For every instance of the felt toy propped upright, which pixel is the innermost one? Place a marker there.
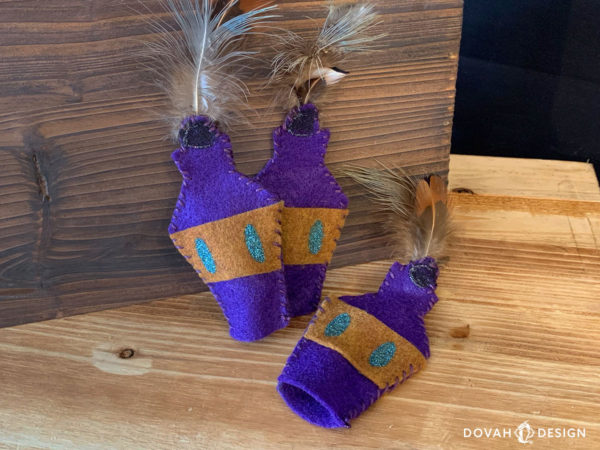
(226, 225)
(315, 207)
(356, 348)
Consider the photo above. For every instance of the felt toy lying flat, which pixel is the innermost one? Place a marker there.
(227, 226)
(357, 348)
(315, 207)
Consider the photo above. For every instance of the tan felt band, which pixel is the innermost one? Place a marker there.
(297, 224)
(226, 241)
(363, 335)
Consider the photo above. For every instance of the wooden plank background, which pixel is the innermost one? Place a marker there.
(523, 276)
(87, 186)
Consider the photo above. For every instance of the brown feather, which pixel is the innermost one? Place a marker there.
(438, 189)
(417, 210)
(197, 57)
(304, 65)
(423, 196)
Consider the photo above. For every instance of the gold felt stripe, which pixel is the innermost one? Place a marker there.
(364, 334)
(296, 226)
(226, 241)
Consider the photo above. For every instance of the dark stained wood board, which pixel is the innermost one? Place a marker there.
(87, 186)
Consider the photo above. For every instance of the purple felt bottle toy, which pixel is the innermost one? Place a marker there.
(357, 348)
(227, 226)
(314, 205)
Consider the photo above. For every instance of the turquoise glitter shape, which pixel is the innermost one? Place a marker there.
(205, 255)
(383, 354)
(254, 244)
(315, 237)
(337, 325)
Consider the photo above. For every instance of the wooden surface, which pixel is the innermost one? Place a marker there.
(87, 186)
(514, 338)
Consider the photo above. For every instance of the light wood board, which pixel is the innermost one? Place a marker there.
(524, 275)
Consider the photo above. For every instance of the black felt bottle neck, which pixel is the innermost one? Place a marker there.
(197, 133)
(204, 151)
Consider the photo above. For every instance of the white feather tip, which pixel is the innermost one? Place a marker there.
(302, 66)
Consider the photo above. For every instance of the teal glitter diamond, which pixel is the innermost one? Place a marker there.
(337, 325)
(254, 244)
(315, 237)
(382, 355)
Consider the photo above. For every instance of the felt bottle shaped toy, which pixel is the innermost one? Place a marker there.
(357, 348)
(315, 207)
(226, 225)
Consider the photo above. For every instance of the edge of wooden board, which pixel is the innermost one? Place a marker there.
(513, 177)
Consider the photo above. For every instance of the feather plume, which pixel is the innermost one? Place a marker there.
(303, 66)
(198, 60)
(418, 212)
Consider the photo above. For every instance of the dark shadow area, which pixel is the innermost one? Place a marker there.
(529, 80)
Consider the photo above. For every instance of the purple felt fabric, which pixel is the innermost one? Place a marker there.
(296, 172)
(254, 306)
(304, 285)
(321, 386)
(212, 189)
(297, 175)
(400, 304)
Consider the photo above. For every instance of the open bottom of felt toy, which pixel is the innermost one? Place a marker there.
(309, 406)
(322, 387)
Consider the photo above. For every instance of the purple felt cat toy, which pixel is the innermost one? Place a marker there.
(315, 207)
(227, 226)
(357, 348)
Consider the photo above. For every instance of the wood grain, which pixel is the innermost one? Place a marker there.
(87, 187)
(523, 281)
(518, 177)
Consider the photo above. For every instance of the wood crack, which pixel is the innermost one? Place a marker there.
(41, 179)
